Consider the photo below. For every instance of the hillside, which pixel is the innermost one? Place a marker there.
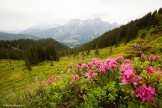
(19, 78)
(126, 33)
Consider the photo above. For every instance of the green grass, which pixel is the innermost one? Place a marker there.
(14, 76)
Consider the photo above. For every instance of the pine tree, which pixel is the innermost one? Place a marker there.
(83, 54)
(28, 65)
(97, 51)
(88, 51)
(160, 11)
(111, 49)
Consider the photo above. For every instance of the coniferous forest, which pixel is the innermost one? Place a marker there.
(33, 51)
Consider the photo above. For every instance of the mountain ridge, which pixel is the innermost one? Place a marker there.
(76, 32)
(12, 36)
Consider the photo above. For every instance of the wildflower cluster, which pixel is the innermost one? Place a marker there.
(127, 72)
(115, 81)
(96, 67)
(145, 92)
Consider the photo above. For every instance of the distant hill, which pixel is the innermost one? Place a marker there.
(75, 32)
(8, 36)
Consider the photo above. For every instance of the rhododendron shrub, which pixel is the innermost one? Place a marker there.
(114, 82)
(143, 77)
(139, 79)
(146, 93)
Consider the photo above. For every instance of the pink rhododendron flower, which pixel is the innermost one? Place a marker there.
(156, 56)
(143, 55)
(49, 80)
(126, 67)
(77, 66)
(110, 63)
(102, 69)
(129, 76)
(150, 70)
(151, 56)
(118, 59)
(145, 93)
(96, 62)
(76, 77)
(69, 70)
(134, 79)
(159, 73)
(90, 64)
(91, 74)
(84, 66)
(126, 76)
(127, 61)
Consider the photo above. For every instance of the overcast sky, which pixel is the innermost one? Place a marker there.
(21, 14)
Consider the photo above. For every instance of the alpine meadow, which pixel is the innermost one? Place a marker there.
(83, 63)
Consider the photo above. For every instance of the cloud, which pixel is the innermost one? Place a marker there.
(16, 14)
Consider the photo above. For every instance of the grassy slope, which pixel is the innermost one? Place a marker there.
(13, 76)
